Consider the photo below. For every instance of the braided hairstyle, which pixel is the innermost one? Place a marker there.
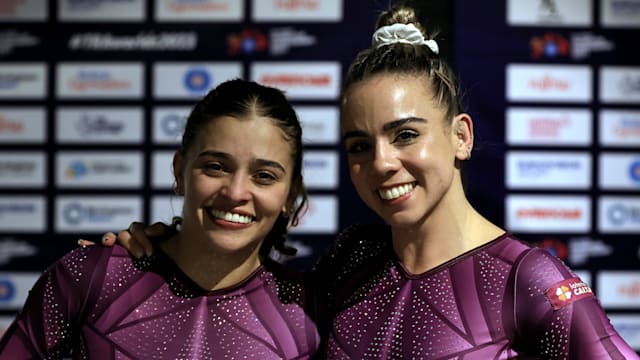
(238, 98)
(409, 59)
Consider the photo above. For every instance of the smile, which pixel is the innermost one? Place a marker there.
(396, 191)
(231, 217)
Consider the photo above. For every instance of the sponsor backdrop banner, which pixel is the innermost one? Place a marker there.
(554, 89)
(94, 95)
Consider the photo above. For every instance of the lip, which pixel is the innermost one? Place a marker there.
(396, 192)
(230, 219)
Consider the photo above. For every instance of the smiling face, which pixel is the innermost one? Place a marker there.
(236, 179)
(401, 148)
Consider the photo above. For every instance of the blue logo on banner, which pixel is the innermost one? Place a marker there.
(197, 80)
(634, 171)
(7, 290)
(76, 170)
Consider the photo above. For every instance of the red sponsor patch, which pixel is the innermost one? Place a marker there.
(568, 291)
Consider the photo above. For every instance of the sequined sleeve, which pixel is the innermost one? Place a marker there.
(46, 324)
(557, 316)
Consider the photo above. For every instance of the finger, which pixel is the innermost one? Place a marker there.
(158, 229)
(109, 239)
(125, 238)
(85, 243)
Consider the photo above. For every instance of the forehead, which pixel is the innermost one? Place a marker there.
(249, 134)
(387, 97)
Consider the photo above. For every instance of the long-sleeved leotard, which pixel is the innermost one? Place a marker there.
(99, 303)
(502, 300)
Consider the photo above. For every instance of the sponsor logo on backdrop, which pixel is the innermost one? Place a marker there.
(199, 10)
(620, 13)
(14, 288)
(321, 169)
(99, 125)
(321, 216)
(22, 125)
(23, 81)
(619, 127)
(320, 124)
(619, 289)
(164, 208)
(549, 45)
(169, 123)
(279, 42)
(162, 170)
(100, 80)
(555, 247)
(142, 41)
(23, 169)
(12, 248)
(548, 213)
(617, 214)
(548, 170)
(196, 79)
(96, 213)
(557, 13)
(12, 39)
(300, 80)
(23, 214)
(584, 43)
(552, 83)
(548, 126)
(583, 248)
(619, 84)
(24, 10)
(300, 10)
(619, 171)
(628, 326)
(99, 169)
(103, 10)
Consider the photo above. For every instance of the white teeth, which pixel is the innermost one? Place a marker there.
(227, 216)
(395, 192)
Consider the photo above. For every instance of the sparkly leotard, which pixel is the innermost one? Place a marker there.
(500, 301)
(99, 303)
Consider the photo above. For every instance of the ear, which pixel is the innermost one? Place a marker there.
(463, 136)
(178, 167)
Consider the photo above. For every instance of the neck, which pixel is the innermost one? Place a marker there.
(210, 269)
(443, 235)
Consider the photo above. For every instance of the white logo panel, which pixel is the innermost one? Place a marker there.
(619, 127)
(552, 83)
(104, 11)
(23, 81)
(23, 125)
(23, 169)
(619, 215)
(619, 171)
(562, 13)
(548, 213)
(199, 10)
(89, 169)
(620, 13)
(619, 289)
(300, 80)
(320, 169)
(321, 216)
(169, 123)
(301, 11)
(100, 80)
(24, 10)
(548, 126)
(320, 124)
(620, 84)
(23, 214)
(191, 80)
(99, 214)
(162, 170)
(548, 170)
(92, 125)
(15, 287)
(164, 208)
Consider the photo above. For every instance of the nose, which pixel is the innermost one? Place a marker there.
(384, 158)
(237, 189)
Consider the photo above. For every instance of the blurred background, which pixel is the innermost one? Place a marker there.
(94, 94)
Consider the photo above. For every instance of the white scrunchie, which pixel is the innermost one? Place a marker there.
(401, 33)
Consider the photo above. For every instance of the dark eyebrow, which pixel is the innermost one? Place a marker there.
(397, 123)
(386, 127)
(260, 162)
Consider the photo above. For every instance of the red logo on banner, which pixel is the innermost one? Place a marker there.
(568, 291)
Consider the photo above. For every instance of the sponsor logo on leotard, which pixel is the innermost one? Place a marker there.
(568, 291)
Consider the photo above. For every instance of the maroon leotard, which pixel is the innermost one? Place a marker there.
(502, 300)
(99, 303)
